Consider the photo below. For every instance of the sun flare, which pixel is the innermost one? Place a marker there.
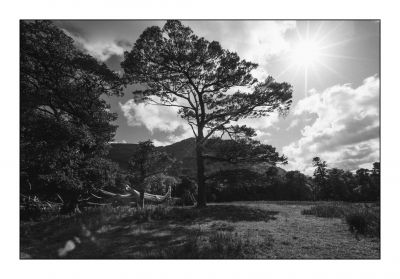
(313, 52)
(306, 53)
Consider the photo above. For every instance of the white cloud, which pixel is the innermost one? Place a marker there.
(254, 40)
(153, 117)
(261, 125)
(157, 118)
(293, 124)
(119, 141)
(160, 143)
(99, 49)
(345, 132)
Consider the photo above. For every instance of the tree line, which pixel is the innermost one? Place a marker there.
(326, 184)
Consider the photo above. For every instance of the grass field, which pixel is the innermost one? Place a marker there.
(261, 230)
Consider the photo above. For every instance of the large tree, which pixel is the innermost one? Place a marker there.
(65, 123)
(180, 69)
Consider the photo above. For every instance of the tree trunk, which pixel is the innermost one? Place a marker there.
(201, 191)
(141, 199)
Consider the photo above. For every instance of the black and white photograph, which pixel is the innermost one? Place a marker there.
(199, 139)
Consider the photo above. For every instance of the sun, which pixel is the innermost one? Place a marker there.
(312, 52)
(306, 53)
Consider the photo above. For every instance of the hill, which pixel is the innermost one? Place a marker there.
(183, 151)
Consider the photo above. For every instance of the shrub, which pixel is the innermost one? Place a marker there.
(365, 221)
(327, 211)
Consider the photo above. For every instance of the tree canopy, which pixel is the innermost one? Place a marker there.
(65, 121)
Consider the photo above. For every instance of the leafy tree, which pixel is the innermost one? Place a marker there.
(65, 120)
(376, 169)
(180, 69)
(375, 177)
(351, 184)
(145, 162)
(160, 183)
(186, 190)
(296, 186)
(320, 177)
(337, 185)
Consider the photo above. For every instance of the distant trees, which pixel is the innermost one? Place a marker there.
(181, 70)
(296, 186)
(65, 122)
(320, 178)
(337, 184)
(146, 162)
(245, 184)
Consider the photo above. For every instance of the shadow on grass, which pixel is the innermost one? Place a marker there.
(229, 213)
(130, 233)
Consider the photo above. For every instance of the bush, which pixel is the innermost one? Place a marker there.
(32, 208)
(327, 211)
(186, 190)
(364, 221)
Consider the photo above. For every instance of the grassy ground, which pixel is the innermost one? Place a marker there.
(266, 230)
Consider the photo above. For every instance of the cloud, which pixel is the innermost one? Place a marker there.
(261, 124)
(99, 49)
(293, 124)
(157, 118)
(160, 143)
(254, 40)
(153, 117)
(345, 132)
(119, 141)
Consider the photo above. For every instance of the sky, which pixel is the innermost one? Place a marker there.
(333, 67)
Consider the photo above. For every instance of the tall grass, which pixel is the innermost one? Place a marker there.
(361, 219)
(326, 211)
(221, 245)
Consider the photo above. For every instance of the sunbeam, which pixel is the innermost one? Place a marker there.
(314, 52)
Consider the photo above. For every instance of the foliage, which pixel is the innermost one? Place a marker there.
(296, 186)
(242, 150)
(337, 184)
(186, 190)
(244, 184)
(65, 121)
(180, 69)
(160, 183)
(361, 219)
(146, 162)
(364, 221)
(321, 188)
(327, 211)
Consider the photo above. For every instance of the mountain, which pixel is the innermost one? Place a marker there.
(183, 151)
(121, 153)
